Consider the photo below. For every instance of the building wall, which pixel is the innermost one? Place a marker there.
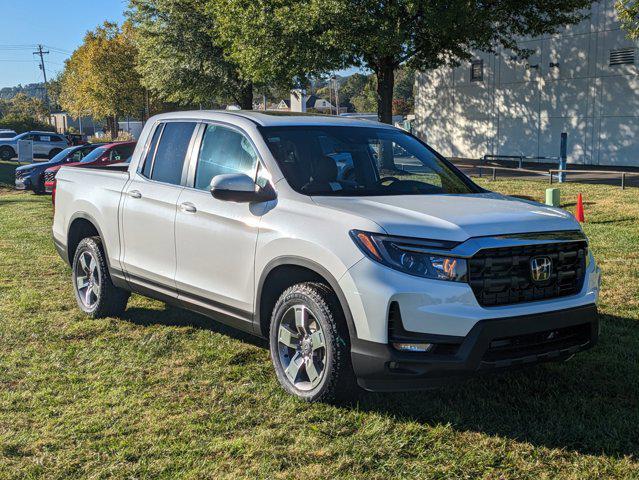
(522, 106)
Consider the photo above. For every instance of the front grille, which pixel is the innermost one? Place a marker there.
(49, 176)
(20, 174)
(538, 343)
(502, 276)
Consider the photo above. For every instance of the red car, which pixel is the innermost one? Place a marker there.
(104, 155)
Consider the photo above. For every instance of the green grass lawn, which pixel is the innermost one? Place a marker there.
(163, 393)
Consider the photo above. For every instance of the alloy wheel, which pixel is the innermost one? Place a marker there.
(302, 347)
(87, 279)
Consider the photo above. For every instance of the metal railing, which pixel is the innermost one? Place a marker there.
(520, 159)
(623, 175)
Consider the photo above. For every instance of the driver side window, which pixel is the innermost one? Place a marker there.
(223, 150)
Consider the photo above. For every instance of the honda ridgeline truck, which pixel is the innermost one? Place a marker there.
(309, 231)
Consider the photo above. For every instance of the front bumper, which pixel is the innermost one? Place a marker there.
(491, 345)
(23, 184)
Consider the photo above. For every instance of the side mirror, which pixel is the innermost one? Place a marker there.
(238, 187)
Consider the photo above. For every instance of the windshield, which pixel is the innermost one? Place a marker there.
(62, 155)
(354, 161)
(94, 155)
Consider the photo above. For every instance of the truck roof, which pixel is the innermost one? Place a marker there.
(273, 118)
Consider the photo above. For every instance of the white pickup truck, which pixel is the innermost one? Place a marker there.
(364, 256)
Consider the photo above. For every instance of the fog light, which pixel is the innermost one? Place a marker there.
(414, 347)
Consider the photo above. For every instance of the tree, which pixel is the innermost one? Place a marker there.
(401, 107)
(24, 106)
(273, 39)
(366, 99)
(100, 78)
(628, 11)
(182, 58)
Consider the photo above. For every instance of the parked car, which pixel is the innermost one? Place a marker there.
(31, 177)
(103, 155)
(390, 283)
(5, 133)
(45, 145)
(76, 138)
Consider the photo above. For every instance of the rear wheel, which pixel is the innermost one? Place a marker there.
(310, 345)
(94, 291)
(7, 153)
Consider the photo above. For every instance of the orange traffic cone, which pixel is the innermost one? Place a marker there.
(580, 209)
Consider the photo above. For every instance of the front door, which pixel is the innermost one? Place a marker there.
(216, 239)
(149, 208)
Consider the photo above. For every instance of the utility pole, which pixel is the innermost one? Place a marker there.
(42, 53)
(337, 95)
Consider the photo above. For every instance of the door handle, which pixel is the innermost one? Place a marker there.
(188, 207)
(135, 194)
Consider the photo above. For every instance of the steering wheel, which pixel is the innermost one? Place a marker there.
(388, 179)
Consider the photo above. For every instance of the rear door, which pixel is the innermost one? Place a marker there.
(215, 239)
(42, 144)
(149, 207)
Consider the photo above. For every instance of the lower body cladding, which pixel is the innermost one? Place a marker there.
(491, 345)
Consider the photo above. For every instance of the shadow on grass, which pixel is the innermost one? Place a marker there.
(589, 404)
(177, 317)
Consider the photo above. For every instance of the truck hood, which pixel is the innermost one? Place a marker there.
(453, 217)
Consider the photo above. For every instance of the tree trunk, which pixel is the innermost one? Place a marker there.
(246, 96)
(385, 73)
(116, 128)
(112, 126)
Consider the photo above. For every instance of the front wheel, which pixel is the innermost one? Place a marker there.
(310, 345)
(94, 291)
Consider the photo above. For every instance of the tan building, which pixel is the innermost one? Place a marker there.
(583, 81)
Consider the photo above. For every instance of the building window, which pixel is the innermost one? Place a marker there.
(623, 56)
(476, 70)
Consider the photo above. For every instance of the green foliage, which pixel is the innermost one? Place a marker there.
(278, 42)
(366, 99)
(628, 11)
(23, 105)
(182, 58)
(100, 78)
(23, 123)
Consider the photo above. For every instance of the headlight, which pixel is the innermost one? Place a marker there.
(412, 256)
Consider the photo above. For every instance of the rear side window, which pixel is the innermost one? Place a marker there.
(171, 152)
(223, 151)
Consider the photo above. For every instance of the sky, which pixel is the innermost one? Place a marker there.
(59, 25)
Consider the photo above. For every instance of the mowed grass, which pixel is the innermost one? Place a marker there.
(163, 393)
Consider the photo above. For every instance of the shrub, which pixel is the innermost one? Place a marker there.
(24, 124)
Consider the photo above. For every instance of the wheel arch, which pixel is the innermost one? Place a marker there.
(293, 270)
(83, 225)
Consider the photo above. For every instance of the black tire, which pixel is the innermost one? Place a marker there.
(39, 189)
(54, 152)
(337, 381)
(7, 153)
(109, 300)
